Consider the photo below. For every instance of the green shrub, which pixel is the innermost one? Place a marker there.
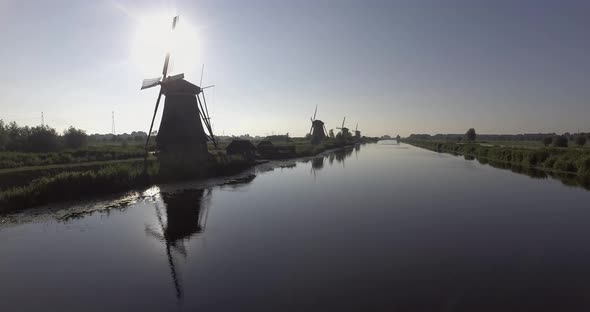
(583, 165)
(565, 164)
(560, 141)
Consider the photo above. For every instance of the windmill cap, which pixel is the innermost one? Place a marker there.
(180, 86)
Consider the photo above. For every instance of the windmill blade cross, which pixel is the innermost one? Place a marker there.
(316, 111)
(202, 70)
(206, 119)
(167, 59)
(147, 141)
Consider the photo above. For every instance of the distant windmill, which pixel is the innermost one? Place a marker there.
(357, 133)
(343, 130)
(181, 139)
(317, 130)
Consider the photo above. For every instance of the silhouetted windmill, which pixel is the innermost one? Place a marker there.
(317, 130)
(181, 139)
(343, 130)
(357, 133)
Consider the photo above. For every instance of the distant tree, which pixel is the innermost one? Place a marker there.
(331, 133)
(75, 138)
(580, 140)
(470, 135)
(16, 137)
(547, 141)
(398, 137)
(560, 141)
(42, 139)
(3, 135)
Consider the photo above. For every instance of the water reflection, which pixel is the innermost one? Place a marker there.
(317, 163)
(185, 216)
(569, 179)
(342, 154)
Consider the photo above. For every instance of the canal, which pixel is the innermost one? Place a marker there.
(380, 227)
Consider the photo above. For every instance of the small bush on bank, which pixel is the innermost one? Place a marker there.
(560, 141)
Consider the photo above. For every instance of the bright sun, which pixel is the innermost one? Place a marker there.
(154, 38)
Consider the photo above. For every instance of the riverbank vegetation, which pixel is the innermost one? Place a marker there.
(39, 166)
(555, 159)
(10, 159)
(71, 185)
(38, 187)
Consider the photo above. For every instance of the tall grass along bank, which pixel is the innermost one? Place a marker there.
(551, 159)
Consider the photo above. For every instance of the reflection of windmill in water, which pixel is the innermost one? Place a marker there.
(316, 164)
(342, 154)
(181, 139)
(317, 130)
(186, 215)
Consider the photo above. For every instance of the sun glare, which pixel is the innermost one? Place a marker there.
(154, 38)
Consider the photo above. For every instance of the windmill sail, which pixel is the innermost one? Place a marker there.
(149, 83)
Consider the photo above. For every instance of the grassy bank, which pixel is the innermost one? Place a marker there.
(561, 160)
(22, 188)
(301, 147)
(89, 154)
(78, 184)
(83, 183)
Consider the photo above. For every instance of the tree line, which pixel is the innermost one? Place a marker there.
(553, 139)
(39, 139)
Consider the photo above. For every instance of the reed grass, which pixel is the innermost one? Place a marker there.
(573, 161)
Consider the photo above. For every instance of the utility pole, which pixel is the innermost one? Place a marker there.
(113, 124)
(42, 120)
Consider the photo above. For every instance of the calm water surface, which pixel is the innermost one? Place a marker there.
(383, 227)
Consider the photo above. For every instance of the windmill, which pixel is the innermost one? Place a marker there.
(357, 133)
(181, 139)
(317, 130)
(343, 130)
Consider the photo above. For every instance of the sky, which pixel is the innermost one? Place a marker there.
(393, 67)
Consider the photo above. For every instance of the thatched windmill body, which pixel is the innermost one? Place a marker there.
(343, 130)
(317, 130)
(181, 140)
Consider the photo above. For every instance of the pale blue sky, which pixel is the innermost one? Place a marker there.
(392, 66)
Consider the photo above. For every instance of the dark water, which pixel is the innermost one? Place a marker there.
(385, 227)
